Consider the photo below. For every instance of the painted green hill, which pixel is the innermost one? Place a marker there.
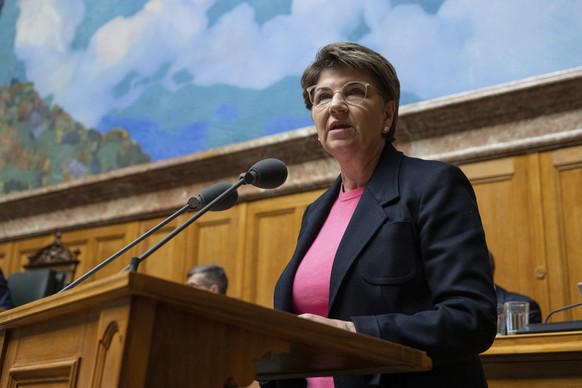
(42, 145)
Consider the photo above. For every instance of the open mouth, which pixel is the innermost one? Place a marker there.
(338, 125)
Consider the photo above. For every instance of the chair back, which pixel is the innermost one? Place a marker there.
(31, 285)
(57, 257)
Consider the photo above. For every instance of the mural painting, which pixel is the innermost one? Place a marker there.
(88, 87)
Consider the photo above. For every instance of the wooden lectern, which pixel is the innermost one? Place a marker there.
(132, 330)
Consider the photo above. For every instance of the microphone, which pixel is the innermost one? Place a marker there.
(207, 195)
(268, 173)
(211, 193)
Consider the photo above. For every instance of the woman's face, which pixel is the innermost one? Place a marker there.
(345, 129)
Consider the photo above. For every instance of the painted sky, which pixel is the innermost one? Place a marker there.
(187, 75)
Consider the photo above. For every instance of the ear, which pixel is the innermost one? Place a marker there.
(389, 114)
(214, 288)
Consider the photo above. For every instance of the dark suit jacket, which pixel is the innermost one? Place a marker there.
(5, 298)
(535, 313)
(412, 268)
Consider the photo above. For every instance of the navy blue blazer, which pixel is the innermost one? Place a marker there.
(412, 268)
(5, 298)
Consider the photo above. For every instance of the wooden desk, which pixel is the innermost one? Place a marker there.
(549, 360)
(133, 330)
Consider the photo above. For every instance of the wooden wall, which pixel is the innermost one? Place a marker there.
(531, 206)
(252, 241)
(521, 146)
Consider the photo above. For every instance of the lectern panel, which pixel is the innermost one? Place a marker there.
(134, 330)
(61, 374)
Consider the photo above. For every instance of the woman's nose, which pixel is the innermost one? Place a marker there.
(338, 102)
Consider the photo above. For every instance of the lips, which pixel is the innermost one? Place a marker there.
(338, 125)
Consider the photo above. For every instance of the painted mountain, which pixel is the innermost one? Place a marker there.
(40, 144)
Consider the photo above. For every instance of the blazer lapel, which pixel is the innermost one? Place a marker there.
(368, 217)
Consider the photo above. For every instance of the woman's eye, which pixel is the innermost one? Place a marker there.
(323, 96)
(356, 92)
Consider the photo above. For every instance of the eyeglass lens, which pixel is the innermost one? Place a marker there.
(353, 93)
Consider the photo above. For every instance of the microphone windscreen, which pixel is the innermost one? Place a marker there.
(211, 193)
(269, 173)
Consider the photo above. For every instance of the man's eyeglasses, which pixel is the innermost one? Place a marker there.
(200, 286)
(353, 93)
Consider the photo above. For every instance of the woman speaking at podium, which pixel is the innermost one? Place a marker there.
(395, 247)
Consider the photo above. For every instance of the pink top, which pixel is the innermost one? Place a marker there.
(311, 284)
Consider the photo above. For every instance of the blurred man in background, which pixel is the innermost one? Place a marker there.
(209, 277)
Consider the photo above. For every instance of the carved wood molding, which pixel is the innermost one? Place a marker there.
(45, 373)
(105, 342)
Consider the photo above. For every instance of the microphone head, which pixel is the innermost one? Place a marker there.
(211, 193)
(268, 173)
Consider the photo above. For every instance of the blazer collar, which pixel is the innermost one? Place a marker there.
(383, 184)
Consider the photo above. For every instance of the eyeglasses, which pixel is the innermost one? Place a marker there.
(353, 93)
(200, 286)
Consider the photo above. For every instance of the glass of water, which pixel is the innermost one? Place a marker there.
(516, 316)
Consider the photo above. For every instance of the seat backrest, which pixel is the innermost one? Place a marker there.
(60, 280)
(31, 285)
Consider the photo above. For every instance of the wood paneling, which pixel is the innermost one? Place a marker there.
(61, 374)
(98, 244)
(167, 261)
(218, 237)
(5, 257)
(271, 232)
(49, 355)
(24, 248)
(531, 206)
(509, 198)
(562, 192)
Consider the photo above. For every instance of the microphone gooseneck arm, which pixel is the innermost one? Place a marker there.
(135, 261)
(561, 309)
(125, 249)
(267, 173)
(210, 193)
